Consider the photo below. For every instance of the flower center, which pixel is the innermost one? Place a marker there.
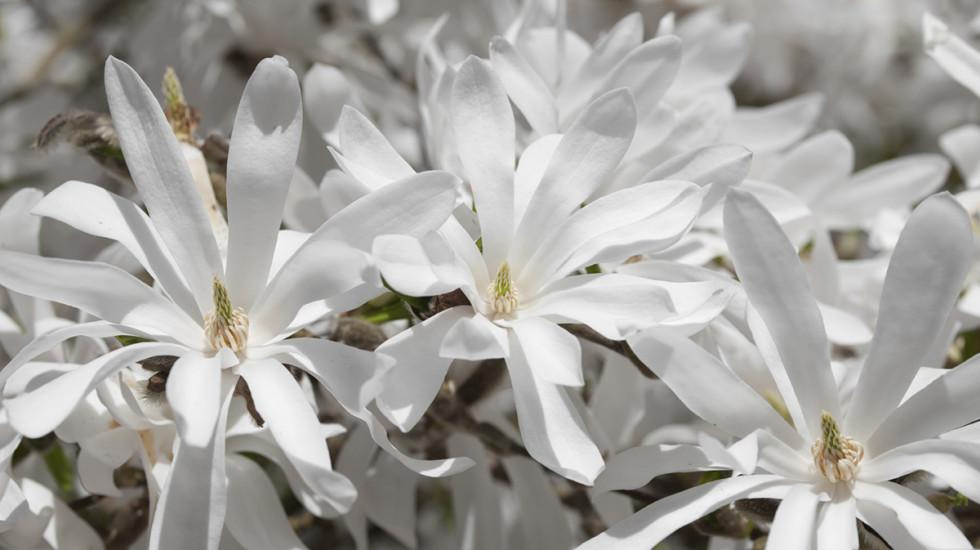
(503, 293)
(225, 327)
(836, 456)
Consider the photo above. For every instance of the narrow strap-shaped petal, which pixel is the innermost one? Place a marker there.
(261, 162)
(610, 49)
(255, 516)
(367, 154)
(99, 289)
(955, 462)
(191, 509)
(550, 346)
(721, 165)
(524, 85)
(813, 167)
(796, 520)
(900, 515)
(162, 177)
(777, 287)
(110, 216)
(41, 410)
(552, 429)
(635, 467)
(586, 155)
(649, 526)
(837, 524)
(294, 425)
(924, 277)
(773, 127)
(476, 506)
(542, 522)
(706, 386)
(954, 55)
(483, 124)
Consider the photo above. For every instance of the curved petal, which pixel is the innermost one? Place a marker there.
(915, 302)
(193, 391)
(722, 166)
(586, 155)
(325, 92)
(837, 526)
(476, 506)
(962, 145)
(543, 524)
(894, 184)
(261, 162)
(295, 427)
(102, 290)
(255, 516)
(614, 305)
(100, 455)
(552, 351)
(524, 85)
(953, 54)
(896, 508)
(418, 372)
(474, 338)
(551, 427)
(483, 124)
(946, 403)
(774, 127)
(795, 523)
(110, 216)
(163, 178)
(635, 467)
(777, 287)
(429, 468)
(955, 462)
(40, 410)
(649, 526)
(813, 167)
(707, 387)
(409, 264)
(646, 71)
(19, 231)
(191, 509)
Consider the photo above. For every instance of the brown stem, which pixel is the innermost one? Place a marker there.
(619, 346)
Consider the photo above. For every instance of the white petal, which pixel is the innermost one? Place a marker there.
(614, 305)
(409, 264)
(647, 71)
(65, 529)
(193, 391)
(955, 462)
(412, 206)
(657, 521)
(837, 529)
(953, 54)
(325, 92)
(553, 432)
(542, 522)
(962, 144)
(713, 58)
(706, 386)
(255, 516)
(303, 210)
(795, 523)
(721, 165)
(944, 404)
(553, 353)
(474, 338)
(102, 290)
(414, 380)
(916, 299)
(349, 374)
(367, 154)
(294, 425)
(774, 127)
(338, 190)
(162, 177)
(19, 231)
(589, 230)
(894, 184)
(635, 467)
(895, 509)
(99, 457)
(112, 217)
(320, 269)
(777, 287)
(428, 468)
(813, 167)
(483, 124)
(389, 499)
(261, 162)
(524, 86)
(844, 328)
(42, 409)
(191, 508)
(586, 155)
(476, 505)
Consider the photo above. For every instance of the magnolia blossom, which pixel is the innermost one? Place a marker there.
(520, 281)
(224, 319)
(830, 460)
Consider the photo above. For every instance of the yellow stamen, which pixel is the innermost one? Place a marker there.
(503, 293)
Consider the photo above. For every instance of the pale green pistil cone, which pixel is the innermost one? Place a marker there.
(835, 455)
(503, 294)
(225, 327)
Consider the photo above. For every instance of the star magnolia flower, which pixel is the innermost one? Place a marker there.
(534, 237)
(834, 463)
(223, 319)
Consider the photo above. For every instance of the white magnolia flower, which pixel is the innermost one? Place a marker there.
(834, 463)
(522, 282)
(223, 319)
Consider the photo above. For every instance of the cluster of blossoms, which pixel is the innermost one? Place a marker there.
(564, 292)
